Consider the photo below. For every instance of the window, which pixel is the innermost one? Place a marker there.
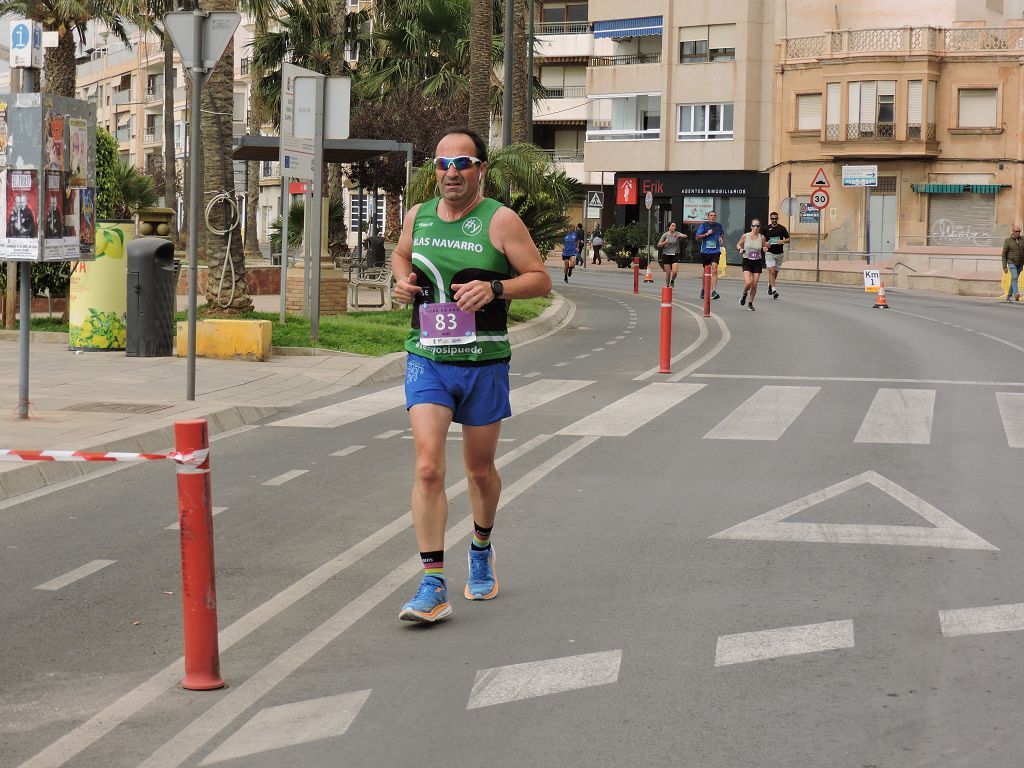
(832, 108)
(704, 122)
(977, 107)
(808, 112)
(360, 204)
(624, 117)
(707, 43)
(871, 109)
(563, 12)
(564, 82)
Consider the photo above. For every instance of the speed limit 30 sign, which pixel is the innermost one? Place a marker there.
(819, 198)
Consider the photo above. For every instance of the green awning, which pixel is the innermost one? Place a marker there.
(956, 189)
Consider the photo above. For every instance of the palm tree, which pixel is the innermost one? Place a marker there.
(481, 34)
(223, 252)
(519, 73)
(69, 18)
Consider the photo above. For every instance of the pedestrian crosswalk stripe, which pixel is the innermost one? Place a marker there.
(772, 526)
(785, 641)
(347, 411)
(766, 415)
(620, 418)
(516, 682)
(982, 621)
(288, 725)
(1011, 410)
(538, 393)
(901, 416)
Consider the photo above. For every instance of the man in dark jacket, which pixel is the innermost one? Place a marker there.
(1013, 260)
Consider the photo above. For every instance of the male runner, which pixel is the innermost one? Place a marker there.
(778, 237)
(710, 234)
(455, 260)
(570, 250)
(670, 244)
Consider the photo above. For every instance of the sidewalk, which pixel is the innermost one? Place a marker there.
(100, 401)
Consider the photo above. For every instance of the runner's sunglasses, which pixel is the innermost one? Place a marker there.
(461, 163)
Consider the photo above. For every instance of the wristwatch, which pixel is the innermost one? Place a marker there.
(497, 288)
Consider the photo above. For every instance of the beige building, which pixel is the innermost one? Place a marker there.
(927, 100)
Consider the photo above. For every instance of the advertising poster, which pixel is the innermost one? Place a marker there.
(97, 300)
(697, 208)
(72, 221)
(79, 141)
(53, 128)
(22, 214)
(4, 133)
(87, 218)
(53, 221)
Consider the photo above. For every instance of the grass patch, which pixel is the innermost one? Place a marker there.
(51, 324)
(360, 333)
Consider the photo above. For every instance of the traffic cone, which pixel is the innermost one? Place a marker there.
(880, 298)
(648, 278)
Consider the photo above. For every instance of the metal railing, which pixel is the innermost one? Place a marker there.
(915, 132)
(565, 92)
(565, 155)
(629, 58)
(154, 94)
(635, 134)
(564, 28)
(150, 137)
(870, 131)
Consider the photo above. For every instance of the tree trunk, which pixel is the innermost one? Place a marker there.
(393, 216)
(59, 66)
(170, 166)
(252, 172)
(519, 73)
(337, 232)
(224, 290)
(481, 26)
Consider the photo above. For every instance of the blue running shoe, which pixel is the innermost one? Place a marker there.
(482, 583)
(430, 603)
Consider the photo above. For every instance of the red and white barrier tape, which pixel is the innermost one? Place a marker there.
(185, 462)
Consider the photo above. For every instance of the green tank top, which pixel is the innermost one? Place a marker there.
(459, 251)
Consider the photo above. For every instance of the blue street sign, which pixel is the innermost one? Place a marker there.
(20, 36)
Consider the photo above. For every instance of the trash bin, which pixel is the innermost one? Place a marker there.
(151, 292)
(375, 256)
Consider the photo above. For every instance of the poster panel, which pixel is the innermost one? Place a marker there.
(98, 299)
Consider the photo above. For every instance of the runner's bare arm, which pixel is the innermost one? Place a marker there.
(510, 236)
(401, 261)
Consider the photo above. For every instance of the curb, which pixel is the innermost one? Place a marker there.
(32, 476)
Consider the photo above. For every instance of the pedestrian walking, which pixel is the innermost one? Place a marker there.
(752, 246)
(569, 254)
(778, 238)
(581, 246)
(596, 241)
(1013, 261)
(710, 234)
(670, 245)
(457, 363)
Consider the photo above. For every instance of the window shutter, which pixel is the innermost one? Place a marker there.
(808, 106)
(853, 110)
(689, 34)
(949, 216)
(551, 77)
(914, 102)
(931, 100)
(868, 99)
(832, 104)
(977, 108)
(575, 76)
(722, 36)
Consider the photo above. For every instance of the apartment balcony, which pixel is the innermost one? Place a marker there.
(879, 140)
(625, 59)
(565, 40)
(124, 134)
(151, 137)
(904, 41)
(122, 97)
(563, 103)
(154, 97)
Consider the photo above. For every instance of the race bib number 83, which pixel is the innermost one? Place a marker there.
(445, 324)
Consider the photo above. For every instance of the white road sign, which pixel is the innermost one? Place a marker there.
(819, 198)
(26, 44)
(218, 30)
(820, 179)
(860, 175)
(872, 279)
(648, 200)
(296, 154)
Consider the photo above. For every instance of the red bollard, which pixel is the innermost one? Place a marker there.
(198, 589)
(666, 330)
(707, 290)
(636, 274)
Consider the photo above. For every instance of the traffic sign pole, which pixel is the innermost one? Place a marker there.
(195, 142)
(817, 255)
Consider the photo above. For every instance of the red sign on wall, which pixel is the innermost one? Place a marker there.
(626, 192)
(297, 187)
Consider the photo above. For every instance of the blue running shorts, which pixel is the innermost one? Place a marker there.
(477, 395)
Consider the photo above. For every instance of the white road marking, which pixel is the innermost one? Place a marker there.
(1002, 341)
(516, 682)
(609, 343)
(348, 451)
(531, 374)
(1011, 410)
(585, 354)
(765, 415)
(110, 717)
(982, 621)
(786, 641)
(946, 532)
(857, 379)
(236, 700)
(619, 338)
(900, 416)
(291, 474)
(176, 526)
(458, 439)
(536, 394)
(72, 576)
(632, 411)
(347, 411)
(289, 725)
(559, 365)
(597, 349)
(726, 337)
(389, 433)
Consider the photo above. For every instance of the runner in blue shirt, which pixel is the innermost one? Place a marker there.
(570, 250)
(709, 235)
